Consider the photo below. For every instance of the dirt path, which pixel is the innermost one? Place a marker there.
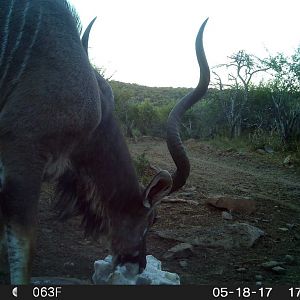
(62, 250)
(216, 171)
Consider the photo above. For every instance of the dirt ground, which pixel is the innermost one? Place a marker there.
(63, 251)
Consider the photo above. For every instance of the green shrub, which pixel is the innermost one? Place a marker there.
(260, 139)
(142, 164)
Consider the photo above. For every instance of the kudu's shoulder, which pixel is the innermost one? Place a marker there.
(43, 66)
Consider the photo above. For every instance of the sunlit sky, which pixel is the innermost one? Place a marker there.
(152, 42)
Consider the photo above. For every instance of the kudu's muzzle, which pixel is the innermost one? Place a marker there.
(137, 257)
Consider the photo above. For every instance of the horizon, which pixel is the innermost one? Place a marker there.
(152, 43)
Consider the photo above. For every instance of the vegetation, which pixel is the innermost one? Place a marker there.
(258, 115)
(142, 166)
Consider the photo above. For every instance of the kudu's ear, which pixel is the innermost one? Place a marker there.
(159, 187)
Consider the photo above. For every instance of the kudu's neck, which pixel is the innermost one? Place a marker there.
(112, 166)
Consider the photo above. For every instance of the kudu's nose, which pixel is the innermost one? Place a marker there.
(139, 259)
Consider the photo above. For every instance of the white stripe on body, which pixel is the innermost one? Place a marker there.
(28, 50)
(6, 31)
(17, 44)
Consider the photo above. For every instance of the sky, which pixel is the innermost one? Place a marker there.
(151, 42)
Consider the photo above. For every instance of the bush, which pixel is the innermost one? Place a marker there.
(260, 139)
(142, 164)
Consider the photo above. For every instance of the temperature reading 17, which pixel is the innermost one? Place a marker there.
(294, 292)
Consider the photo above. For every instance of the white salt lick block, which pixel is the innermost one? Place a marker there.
(126, 274)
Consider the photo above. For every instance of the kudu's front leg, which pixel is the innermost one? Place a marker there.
(3, 252)
(4, 268)
(20, 193)
(21, 242)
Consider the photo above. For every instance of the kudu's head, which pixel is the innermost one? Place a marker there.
(129, 228)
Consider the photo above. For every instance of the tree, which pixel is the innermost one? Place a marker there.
(240, 71)
(146, 117)
(103, 72)
(285, 89)
(124, 107)
(231, 105)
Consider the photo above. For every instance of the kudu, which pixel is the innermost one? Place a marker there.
(57, 123)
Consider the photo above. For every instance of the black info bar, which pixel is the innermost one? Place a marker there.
(184, 292)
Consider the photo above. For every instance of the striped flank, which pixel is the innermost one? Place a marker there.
(6, 32)
(17, 40)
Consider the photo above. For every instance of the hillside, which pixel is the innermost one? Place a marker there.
(139, 93)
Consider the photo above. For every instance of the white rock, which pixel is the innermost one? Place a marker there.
(279, 270)
(259, 277)
(270, 264)
(126, 274)
(283, 229)
(226, 215)
(183, 263)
